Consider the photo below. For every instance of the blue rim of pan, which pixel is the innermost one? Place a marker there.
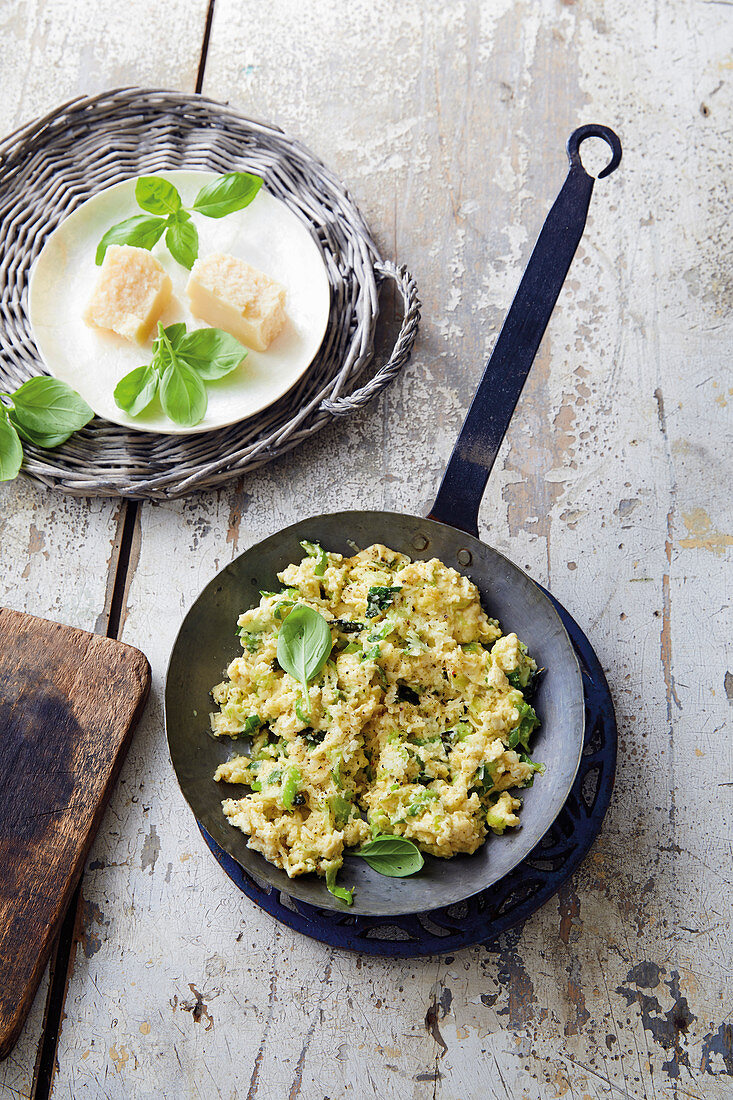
(507, 903)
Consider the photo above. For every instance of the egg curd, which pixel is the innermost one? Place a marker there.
(417, 725)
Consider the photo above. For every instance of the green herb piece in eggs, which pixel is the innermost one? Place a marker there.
(382, 677)
(379, 635)
(540, 769)
(420, 803)
(290, 787)
(496, 820)
(313, 738)
(406, 694)
(379, 598)
(528, 722)
(483, 779)
(346, 626)
(250, 641)
(341, 810)
(414, 645)
(314, 550)
(460, 733)
(340, 892)
(300, 711)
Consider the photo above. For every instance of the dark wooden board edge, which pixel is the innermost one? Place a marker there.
(11, 1031)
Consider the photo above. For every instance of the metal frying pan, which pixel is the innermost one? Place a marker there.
(206, 642)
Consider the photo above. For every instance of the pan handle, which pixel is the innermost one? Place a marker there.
(464, 481)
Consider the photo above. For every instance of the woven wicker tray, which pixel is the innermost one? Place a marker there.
(52, 165)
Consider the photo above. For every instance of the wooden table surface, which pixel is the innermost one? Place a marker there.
(447, 122)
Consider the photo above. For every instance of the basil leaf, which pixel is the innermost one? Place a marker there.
(157, 195)
(211, 352)
(182, 394)
(141, 231)
(338, 891)
(228, 193)
(314, 550)
(47, 409)
(136, 390)
(175, 333)
(38, 439)
(182, 239)
(11, 449)
(303, 645)
(394, 856)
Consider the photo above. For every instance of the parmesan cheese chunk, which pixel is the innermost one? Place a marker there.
(131, 293)
(227, 293)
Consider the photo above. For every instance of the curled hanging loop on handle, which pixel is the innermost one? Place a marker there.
(464, 481)
(594, 129)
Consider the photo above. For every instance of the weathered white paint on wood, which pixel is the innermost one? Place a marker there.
(57, 551)
(447, 122)
(55, 50)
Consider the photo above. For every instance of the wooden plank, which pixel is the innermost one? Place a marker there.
(60, 51)
(69, 702)
(447, 122)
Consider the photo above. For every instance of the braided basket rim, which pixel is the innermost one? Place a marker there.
(54, 163)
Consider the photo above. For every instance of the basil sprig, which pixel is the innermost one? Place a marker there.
(181, 362)
(303, 646)
(165, 213)
(394, 856)
(43, 411)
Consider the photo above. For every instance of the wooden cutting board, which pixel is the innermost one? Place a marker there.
(69, 702)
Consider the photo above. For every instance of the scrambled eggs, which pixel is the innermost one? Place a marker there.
(417, 725)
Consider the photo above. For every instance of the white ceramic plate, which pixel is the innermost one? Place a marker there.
(267, 234)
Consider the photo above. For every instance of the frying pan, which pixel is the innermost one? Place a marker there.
(206, 642)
